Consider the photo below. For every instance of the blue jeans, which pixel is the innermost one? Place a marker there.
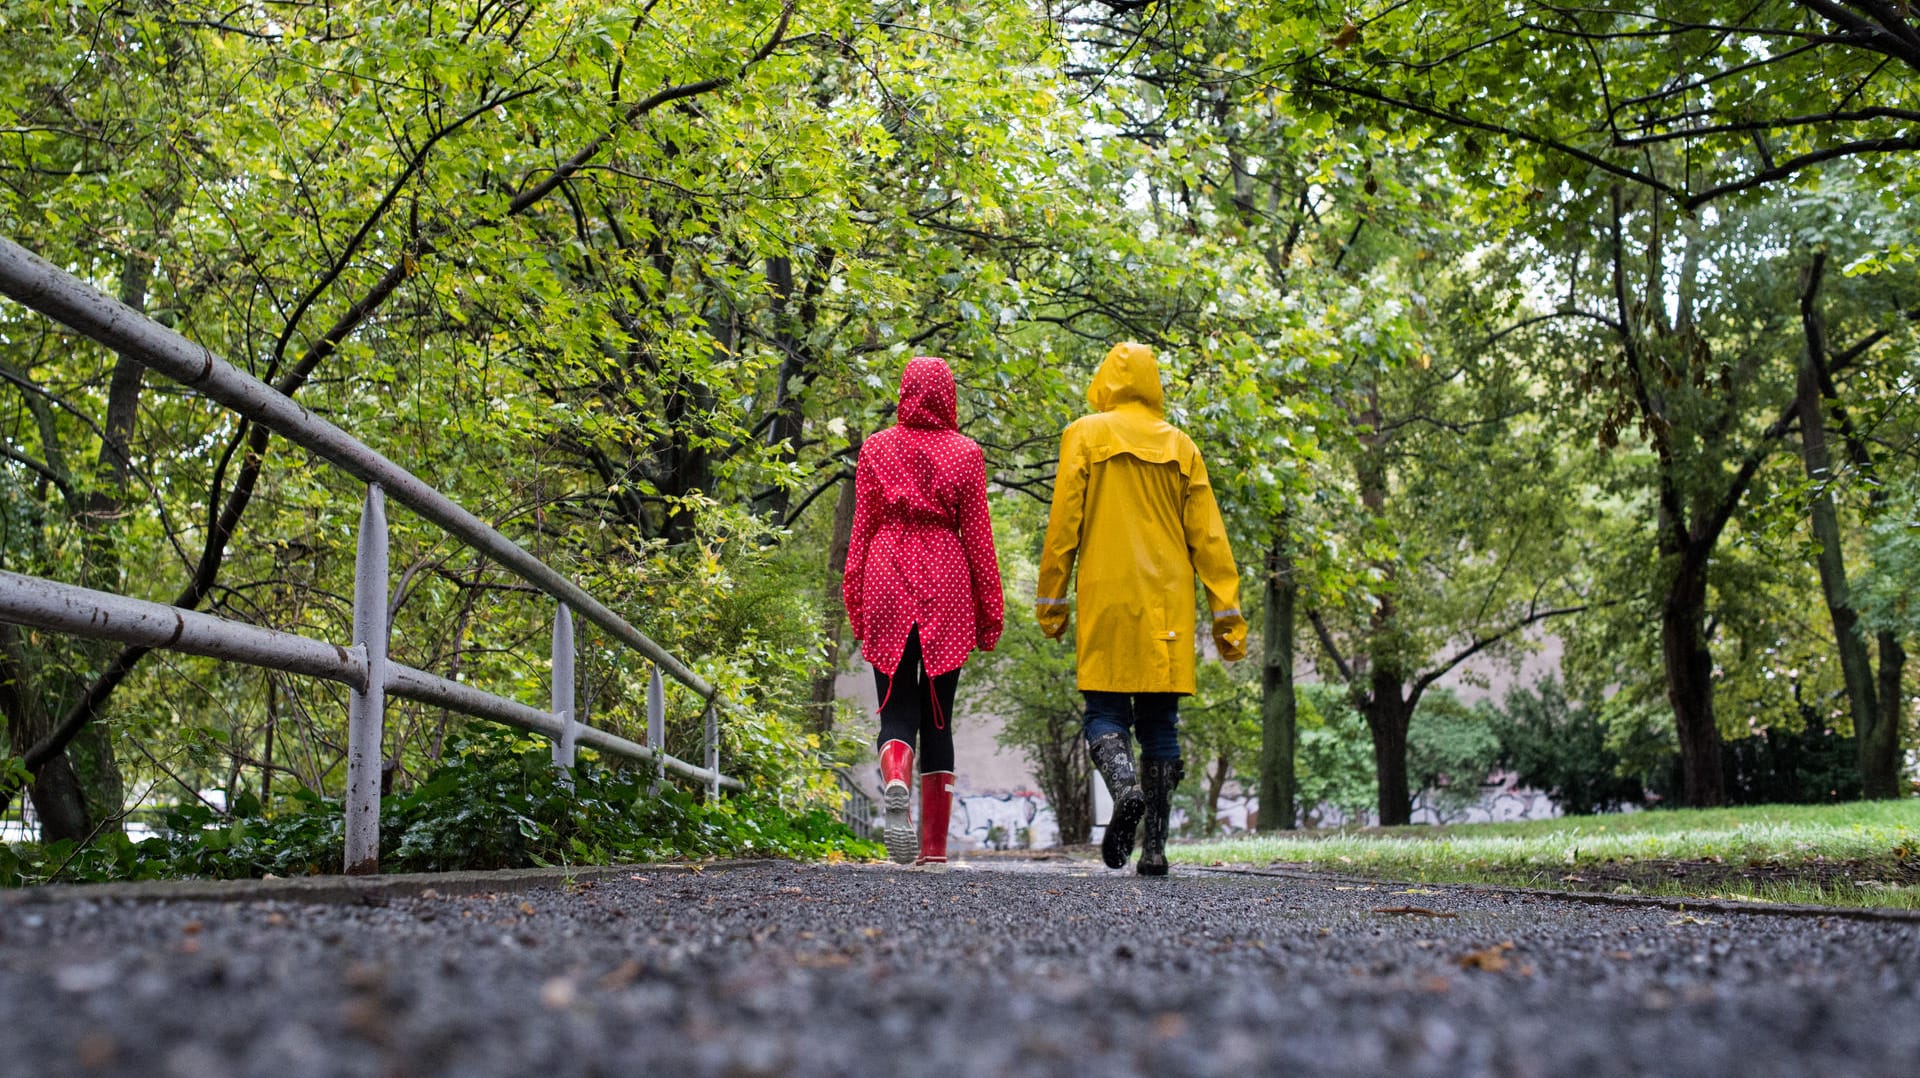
(1154, 718)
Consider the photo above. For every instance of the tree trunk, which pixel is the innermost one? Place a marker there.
(689, 413)
(1216, 782)
(1388, 717)
(1277, 785)
(1877, 756)
(1689, 670)
(833, 606)
(1886, 728)
(1066, 777)
(55, 791)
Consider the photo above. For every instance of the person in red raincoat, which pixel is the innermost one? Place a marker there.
(923, 591)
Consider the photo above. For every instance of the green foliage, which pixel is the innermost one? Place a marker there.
(496, 803)
(1887, 593)
(1450, 749)
(1779, 766)
(1334, 759)
(1029, 680)
(1559, 746)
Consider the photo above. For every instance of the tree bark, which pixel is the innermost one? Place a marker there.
(1277, 786)
(1388, 717)
(1689, 670)
(833, 606)
(57, 799)
(1066, 777)
(1217, 782)
(1879, 769)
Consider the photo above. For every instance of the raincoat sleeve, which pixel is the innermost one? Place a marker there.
(983, 564)
(866, 521)
(1213, 562)
(1063, 536)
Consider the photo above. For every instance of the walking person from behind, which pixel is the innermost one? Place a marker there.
(923, 591)
(1133, 510)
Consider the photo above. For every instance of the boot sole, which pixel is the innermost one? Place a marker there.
(1147, 869)
(903, 842)
(1117, 845)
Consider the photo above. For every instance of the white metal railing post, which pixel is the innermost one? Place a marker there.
(563, 745)
(713, 750)
(366, 714)
(657, 724)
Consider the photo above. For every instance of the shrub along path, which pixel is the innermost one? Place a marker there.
(1007, 968)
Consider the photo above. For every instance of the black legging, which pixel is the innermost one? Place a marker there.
(917, 705)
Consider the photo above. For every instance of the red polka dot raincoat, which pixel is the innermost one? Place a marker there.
(922, 546)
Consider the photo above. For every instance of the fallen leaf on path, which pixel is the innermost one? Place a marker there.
(1420, 911)
(622, 975)
(1491, 959)
(1690, 919)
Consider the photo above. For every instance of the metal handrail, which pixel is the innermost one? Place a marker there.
(44, 287)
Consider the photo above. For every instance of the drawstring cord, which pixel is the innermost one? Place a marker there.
(933, 695)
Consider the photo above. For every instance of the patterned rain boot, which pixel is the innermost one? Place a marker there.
(1158, 778)
(1113, 754)
(896, 772)
(936, 808)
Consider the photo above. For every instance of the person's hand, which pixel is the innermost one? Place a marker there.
(1052, 618)
(989, 636)
(1230, 637)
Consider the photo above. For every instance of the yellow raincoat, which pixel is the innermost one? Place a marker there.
(1132, 504)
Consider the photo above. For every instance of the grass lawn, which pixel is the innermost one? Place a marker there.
(1862, 854)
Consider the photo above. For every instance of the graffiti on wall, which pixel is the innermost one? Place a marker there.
(1004, 821)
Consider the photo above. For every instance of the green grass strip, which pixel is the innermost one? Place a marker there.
(1860, 854)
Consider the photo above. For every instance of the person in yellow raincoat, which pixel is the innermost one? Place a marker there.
(1133, 509)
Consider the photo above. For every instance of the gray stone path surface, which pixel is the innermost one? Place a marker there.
(776, 968)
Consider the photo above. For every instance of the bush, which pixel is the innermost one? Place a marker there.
(1809, 766)
(1558, 746)
(1333, 760)
(1451, 748)
(497, 802)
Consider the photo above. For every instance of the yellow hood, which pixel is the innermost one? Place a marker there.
(1128, 374)
(1129, 412)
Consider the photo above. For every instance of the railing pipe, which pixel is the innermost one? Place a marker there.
(713, 749)
(563, 693)
(41, 285)
(98, 615)
(366, 711)
(418, 685)
(657, 717)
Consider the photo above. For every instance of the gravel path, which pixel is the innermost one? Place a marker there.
(777, 968)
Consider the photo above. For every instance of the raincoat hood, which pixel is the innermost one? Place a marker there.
(1129, 374)
(1129, 412)
(928, 399)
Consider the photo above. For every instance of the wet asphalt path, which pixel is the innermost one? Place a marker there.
(777, 968)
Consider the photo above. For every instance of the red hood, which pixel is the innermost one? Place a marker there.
(927, 395)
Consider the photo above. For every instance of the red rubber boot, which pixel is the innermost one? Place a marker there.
(896, 777)
(936, 808)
